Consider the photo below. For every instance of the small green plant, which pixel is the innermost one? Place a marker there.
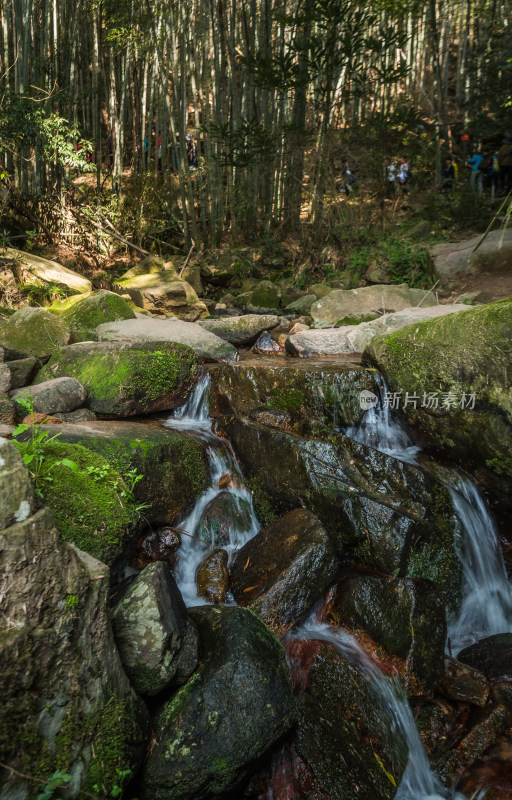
(55, 782)
(33, 449)
(71, 602)
(31, 240)
(5, 239)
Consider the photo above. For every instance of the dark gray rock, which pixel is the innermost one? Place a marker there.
(22, 371)
(492, 656)
(58, 395)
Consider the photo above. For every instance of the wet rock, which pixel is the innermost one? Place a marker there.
(487, 725)
(59, 668)
(344, 735)
(33, 332)
(160, 545)
(433, 721)
(348, 486)
(465, 360)
(379, 298)
(212, 576)
(265, 344)
(328, 393)
(464, 683)
(492, 656)
(57, 395)
(284, 569)
(150, 625)
(240, 330)
(173, 465)
(84, 313)
(406, 616)
(22, 371)
(264, 299)
(238, 703)
(206, 345)
(224, 515)
(124, 379)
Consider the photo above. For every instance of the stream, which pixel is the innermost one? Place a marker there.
(486, 606)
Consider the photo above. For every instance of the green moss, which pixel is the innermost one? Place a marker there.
(355, 319)
(89, 509)
(94, 309)
(286, 399)
(261, 501)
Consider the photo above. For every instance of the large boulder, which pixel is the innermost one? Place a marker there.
(51, 397)
(206, 345)
(33, 332)
(66, 702)
(452, 258)
(381, 298)
(173, 465)
(209, 736)
(307, 394)
(156, 640)
(22, 371)
(123, 379)
(380, 512)
(89, 499)
(492, 656)
(346, 737)
(43, 270)
(407, 617)
(353, 338)
(85, 312)
(460, 369)
(241, 330)
(284, 569)
(163, 292)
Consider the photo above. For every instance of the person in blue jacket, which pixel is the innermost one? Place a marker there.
(477, 176)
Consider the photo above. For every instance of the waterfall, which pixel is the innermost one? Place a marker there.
(486, 606)
(381, 429)
(419, 782)
(193, 417)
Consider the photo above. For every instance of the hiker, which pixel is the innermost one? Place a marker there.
(477, 176)
(492, 174)
(505, 163)
(404, 174)
(448, 175)
(390, 173)
(349, 178)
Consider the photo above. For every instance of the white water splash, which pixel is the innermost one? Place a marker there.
(486, 606)
(243, 525)
(380, 428)
(419, 782)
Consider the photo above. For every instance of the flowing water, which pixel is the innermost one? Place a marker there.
(486, 606)
(381, 429)
(419, 782)
(226, 479)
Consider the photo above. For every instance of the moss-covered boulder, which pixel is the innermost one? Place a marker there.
(407, 617)
(33, 332)
(42, 270)
(90, 501)
(460, 368)
(284, 569)
(124, 379)
(240, 702)
(346, 737)
(156, 640)
(264, 299)
(66, 702)
(173, 465)
(84, 313)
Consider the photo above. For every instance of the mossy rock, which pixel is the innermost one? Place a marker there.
(90, 501)
(465, 359)
(33, 332)
(356, 319)
(124, 379)
(265, 298)
(173, 465)
(85, 313)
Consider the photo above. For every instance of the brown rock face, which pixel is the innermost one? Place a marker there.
(212, 577)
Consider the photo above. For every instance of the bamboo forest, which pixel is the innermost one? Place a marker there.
(256, 400)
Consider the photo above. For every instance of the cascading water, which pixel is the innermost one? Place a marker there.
(225, 478)
(486, 606)
(419, 782)
(380, 428)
